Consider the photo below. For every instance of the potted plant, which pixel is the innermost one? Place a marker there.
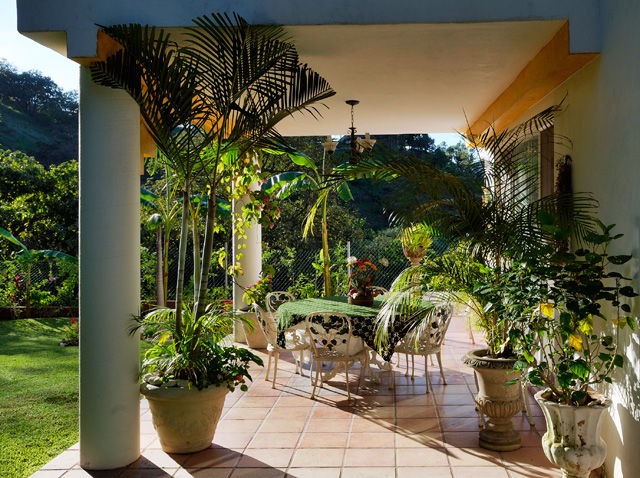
(360, 281)
(187, 375)
(255, 293)
(485, 212)
(567, 311)
(415, 241)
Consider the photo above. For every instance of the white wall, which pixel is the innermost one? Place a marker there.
(602, 119)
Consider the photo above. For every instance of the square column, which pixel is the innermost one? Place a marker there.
(109, 276)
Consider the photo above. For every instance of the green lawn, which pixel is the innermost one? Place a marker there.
(38, 395)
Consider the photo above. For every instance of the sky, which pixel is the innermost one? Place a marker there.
(26, 54)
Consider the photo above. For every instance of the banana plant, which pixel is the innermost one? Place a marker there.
(26, 257)
(324, 181)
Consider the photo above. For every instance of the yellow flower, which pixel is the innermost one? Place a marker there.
(547, 309)
(575, 341)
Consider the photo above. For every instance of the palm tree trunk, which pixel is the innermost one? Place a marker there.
(165, 268)
(196, 253)
(325, 256)
(207, 251)
(160, 298)
(182, 255)
(28, 292)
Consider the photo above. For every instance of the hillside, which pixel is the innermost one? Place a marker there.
(37, 117)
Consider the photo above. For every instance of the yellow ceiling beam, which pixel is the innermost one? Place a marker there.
(546, 71)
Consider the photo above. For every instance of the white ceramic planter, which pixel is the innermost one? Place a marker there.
(499, 403)
(573, 441)
(184, 418)
(254, 338)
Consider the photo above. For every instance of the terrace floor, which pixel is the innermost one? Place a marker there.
(382, 433)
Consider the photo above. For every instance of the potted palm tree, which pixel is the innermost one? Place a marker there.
(487, 215)
(416, 240)
(208, 105)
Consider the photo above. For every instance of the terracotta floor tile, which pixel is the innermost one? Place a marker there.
(375, 412)
(313, 473)
(64, 461)
(253, 402)
(238, 426)
(430, 472)
(329, 425)
(231, 440)
(369, 472)
(265, 457)
(203, 473)
(274, 440)
(247, 413)
(257, 473)
(324, 457)
(372, 425)
(264, 391)
(458, 399)
(371, 440)
(289, 412)
(421, 440)
(459, 424)
(369, 457)
(417, 425)
(282, 425)
(324, 440)
(330, 412)
(526, 456)
(428, 411)
(457, 411)
(143, 473)
(474, 457)
(411, 401)
(411, 389)
(461, 439)
(479, 472)
(421, 457)
(533, 472)
(294, 401)
(213, 458)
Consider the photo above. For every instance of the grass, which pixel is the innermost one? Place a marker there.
(38, 395)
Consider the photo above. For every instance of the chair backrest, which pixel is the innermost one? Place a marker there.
(379, 290)
(330, 331)
(275, 299)
(267, 324)
(432, 336)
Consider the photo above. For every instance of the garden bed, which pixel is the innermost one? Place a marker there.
(11, 313)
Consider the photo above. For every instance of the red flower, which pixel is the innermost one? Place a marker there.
(73, 320)
(239, 378)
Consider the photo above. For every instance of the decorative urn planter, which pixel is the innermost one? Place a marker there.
(572, 441)
(499, 403)
(184, 417)
(254, 337)
(414, 255)
(362, 297)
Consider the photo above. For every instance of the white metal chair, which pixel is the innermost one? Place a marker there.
(332, 341)
(379, 290)
(428, 341)
(293, 342)
(275, 299)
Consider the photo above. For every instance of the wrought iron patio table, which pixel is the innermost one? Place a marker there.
(362, 319)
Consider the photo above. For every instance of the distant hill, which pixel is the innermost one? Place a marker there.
(37, 117)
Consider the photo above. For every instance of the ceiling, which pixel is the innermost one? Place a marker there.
(413, 78)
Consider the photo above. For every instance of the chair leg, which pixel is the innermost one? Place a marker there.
(413, 366)
(315, 382)
(439, 358)
(527, 406)
(426, 374)
(275, 370)
(469, 325)
(266, 377)
(431, 359)
(346, 373)
(406, 359)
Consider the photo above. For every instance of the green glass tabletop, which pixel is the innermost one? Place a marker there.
(299, 309)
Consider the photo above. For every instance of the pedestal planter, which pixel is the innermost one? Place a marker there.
(415, 255)
(362, 297)
(499, 403)
(185, 418)
(572, 440)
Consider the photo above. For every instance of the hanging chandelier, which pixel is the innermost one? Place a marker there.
(357, 145)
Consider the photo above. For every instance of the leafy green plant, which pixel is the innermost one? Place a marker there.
(198, 354)
(564, 312)
(257, 293)
(416, 239)
(71, 332)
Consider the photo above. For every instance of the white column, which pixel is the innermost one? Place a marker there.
(251, 260)
(109, 276)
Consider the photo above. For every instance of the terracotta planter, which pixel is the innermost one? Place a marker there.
(184, 418)
(572, 440)
(415, 256)
(499, 403)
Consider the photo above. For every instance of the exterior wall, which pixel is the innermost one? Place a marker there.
(602, 119)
